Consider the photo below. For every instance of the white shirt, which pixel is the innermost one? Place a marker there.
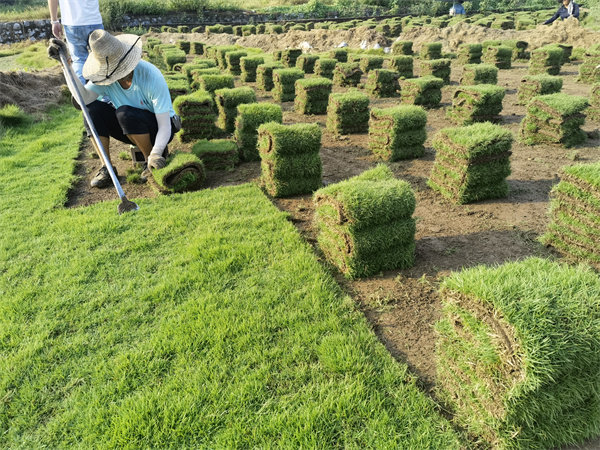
(80, 12)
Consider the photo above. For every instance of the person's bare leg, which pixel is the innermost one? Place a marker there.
(142, 141)
(105, 141)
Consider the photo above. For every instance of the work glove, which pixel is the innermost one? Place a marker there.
(156, 161)
(54, 48)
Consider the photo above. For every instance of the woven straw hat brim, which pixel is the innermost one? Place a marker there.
(95, 67)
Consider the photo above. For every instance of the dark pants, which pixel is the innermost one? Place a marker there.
(118, 123)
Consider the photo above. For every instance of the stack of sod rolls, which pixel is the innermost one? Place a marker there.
(197, 48)
(471, 163)
(575, 214)
(370, 62)
(290, 160)
(324, 67)
(382, 83)
(183, 172)
(339, 54)
(219, 154)
(264, 76)
(227, 101)
(290, 56)
(588, 70)
(178, 85)
(402, 64)
(534, 85)
(232, 59)
(250, 117)
(500, 56)
(519, 49)
(469, 53)
(183, 45)
(567, 52)
(347, 74)
(248, 65)
(210, 83)
(348, 113)
(197, 112)
(479, 103)
(479, 74)
(365, 223)
(306, 63)
(426, 91)
(402, 48)
(518, 352)
(398, 133)
(312, 95)
(547, 59)
(197, 74)
(220, 52)
(593, 112)
(439, 68)
(198, 64)
(172, 56)
(431, 50)
(554, 118)
(284, 84)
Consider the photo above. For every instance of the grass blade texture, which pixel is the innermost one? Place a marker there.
(218, 154)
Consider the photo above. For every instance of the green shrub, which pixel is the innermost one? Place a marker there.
(402, 64)
(402, 48)
(210, 83)
(382, 83)
(347, 74)
(306, 63)
(233, 61)
(312, 95)
(284, 84)
(479, 74)
(348, 113)
(197, 112)
(370, 62)
(183, 172)
(534, 85)
(324, 67)
(248, 65)
(398, 133)
(469, 53)
(480, 103)
(439, 68)
(250, 116)
(431, 50)
(227, 101)
(219, 154)
(425, 91)
(290, 56)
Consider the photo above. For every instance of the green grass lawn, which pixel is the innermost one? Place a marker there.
(202, 319)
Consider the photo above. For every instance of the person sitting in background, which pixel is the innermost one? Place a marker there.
(568, 9)
(457, 9)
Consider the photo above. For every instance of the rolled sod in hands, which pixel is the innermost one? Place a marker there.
(183, 172)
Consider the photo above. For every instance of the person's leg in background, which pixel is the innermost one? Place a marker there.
(77, 42)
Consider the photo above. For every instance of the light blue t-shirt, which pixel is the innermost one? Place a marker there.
(148, 90)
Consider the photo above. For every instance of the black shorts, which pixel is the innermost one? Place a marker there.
(118, 123)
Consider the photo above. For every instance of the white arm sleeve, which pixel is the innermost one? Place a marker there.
(164, 133)
(88, 96)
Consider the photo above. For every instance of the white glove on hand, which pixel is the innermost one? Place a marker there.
(156, 161)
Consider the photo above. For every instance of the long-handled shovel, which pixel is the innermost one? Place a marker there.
(125, 205)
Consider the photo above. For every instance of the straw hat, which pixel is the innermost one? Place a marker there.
(111, 57)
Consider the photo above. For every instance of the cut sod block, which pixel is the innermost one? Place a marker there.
(469, 53)
(219, 154)
(402, 48)
(518, 352)
(370, 62)
(431, 50)
(593, 112)
(290, 161)
(290, 56)
(220, 52)
(348, 113)
(227, 101)
(211, 83)
(402, 64)
(471, 162)
(197, 48)
(183, 172)
(425, 91)
(479, 103)
(500, 56)
(479, 74)
(347, 74)
(250, 116)
(324, 67)
(546, 60)
(312, 95)
(178, 85)
(197, 112)
(183, 45)
(439, 68)
(339, 54)
(306, 63)
(398, 133)
(233, 61)
(173, 56)
(264, 76)
(248, 66)
(534, 85)
(365, 223)
(588, 70)
(284, 84)
(382, 83)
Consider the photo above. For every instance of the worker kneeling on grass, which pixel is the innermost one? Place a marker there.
(141, 112)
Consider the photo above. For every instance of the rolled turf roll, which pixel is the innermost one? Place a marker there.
(183, 29)
(370, 62)
(534, 85)
(546, 59)
(250, 116)
(401, 64)
(183, 172)
(218, 154)
(593, 112)
(398, 133)
(364, 223)
(425, 91)
(518, 352)
(248, 30)
(290, 56)
(284, 84)
(471, 162)
(339, 54)
(264, 75)
(519, 49)
(439, 68)
(197, 112)
(197, 48)
(554, 118)
(402, 48)
(469, 53)
(479, 74)
(500, 56)
(347, 74)
(211, 83)
(290, 161)
(220, 52)
(188, 68)
(588, 71)
(382, 83)
(431, 50)
(306, 63)
(233, 61)
(480, 103)
(173, 56)
(183, 45)
(312, 95)
(227, 101)
(178, 85)
(324, 67)
(248, 66)
(574, 229)
(348, 113)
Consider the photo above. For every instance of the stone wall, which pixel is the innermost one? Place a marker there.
(26, 30)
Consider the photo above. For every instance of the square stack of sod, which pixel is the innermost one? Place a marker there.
(172, 56)
(233, 61)
(370, 62)
(546, 59)
(588, 70)
(398, 133)
(425, 91)
(593, 112)
(519, 49)
(518, 352)
(500, 56)
(469, 53)
(402, 64)
(219, 154)
(471, 163)
(431, 50)
(479, 74)
(195, 84)
(290, 160)
(402, 48)
(575, 214)
(198, 64)
(197, 112)
(534, 85)
(227, 101)
(183, 45)
(382, 83)
(178, 85)
(220, 52)
(365, 223)
(347, 74)
(439, 68)
(210, 83)
(184, 172)
(348, 113)
(250, 116)
(339, 54)
(324, 67)
(290, 56)
(479, 103)
(197, 48)
(554, 118)
(264, 76)
(284, 84)
(248, 65)
(312, 95)
(306, 63)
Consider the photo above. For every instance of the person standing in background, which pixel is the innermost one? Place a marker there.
(568, 9)
(457, 9)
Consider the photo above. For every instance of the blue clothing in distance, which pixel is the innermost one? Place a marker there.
(563, 13)
(458, 9)
(77, 42)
